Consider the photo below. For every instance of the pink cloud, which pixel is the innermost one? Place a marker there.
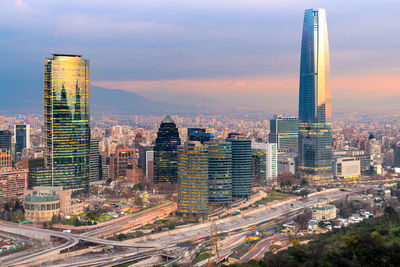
(378, 85)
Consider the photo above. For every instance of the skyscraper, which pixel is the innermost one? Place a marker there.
(22, 138)
(241, 165)
(66, 120)
(166, 152)
(315, 133)
(284, 132)
(219, 172)
(193, 179)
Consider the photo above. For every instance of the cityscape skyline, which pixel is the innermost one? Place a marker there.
(99, 178)
(253, 70)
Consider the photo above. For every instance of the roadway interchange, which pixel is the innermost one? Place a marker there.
(186, 240)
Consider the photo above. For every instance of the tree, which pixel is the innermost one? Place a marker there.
(45, 225)
(390, 215)
(302, 221)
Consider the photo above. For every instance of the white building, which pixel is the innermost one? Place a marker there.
(272, 163)
(347, 167)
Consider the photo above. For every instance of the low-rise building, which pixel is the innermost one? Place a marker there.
(323, 212)
(346, 167)
(44, 202)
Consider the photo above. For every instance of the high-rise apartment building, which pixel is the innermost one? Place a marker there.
(315, 132)
(219, 172)
(272, 163)
(284, 131)
(166, 152)
(94, 161)
(193, 179)
(241, 165)
(66, 120)
(22, 137)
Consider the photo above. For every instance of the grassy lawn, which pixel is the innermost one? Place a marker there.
(273, 195)
(201, 256)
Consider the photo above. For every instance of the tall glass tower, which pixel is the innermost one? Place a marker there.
(166, 152)
(315, 132)
(241, 165)
(66, 120)
(193, 179)
(219, 172)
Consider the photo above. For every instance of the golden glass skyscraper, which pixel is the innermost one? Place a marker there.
(315, 133)
(66, 120)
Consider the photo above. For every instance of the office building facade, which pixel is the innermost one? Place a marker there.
(315, 133)
(22, 137)
(259, 161)
(241, 166)
(193, 179)
(94, 161)
(66, 120)
(166, 152)
(5, 139)
(219, 172)
(284, 131)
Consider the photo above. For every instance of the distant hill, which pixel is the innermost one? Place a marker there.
(103, 101)
(122, 102)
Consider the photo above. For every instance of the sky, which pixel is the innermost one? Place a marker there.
(224, 52)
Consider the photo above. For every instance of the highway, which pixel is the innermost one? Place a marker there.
(149, 245)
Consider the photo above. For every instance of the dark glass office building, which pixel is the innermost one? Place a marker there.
(192, 179)
(315, 133)
(166, 152)
(5, 139)
(284, 132)
(219, 172)
(22, 137)
(241, 166)
(199, 134)
(66, 120)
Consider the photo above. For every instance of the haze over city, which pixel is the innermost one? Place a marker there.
(199, 133)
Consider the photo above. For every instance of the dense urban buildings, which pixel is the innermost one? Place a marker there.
(66, 120)
(193, 179)
(166, 152)
(284, 131)
(241, 165)
(315, 133)
(219, 172)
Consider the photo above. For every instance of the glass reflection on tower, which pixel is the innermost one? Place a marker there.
(315, 133)
(66, 120)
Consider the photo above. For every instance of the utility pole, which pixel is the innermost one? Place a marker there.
(214, 244)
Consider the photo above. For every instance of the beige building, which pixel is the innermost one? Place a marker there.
(12, 184)
(323, 212)
(44, 202)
